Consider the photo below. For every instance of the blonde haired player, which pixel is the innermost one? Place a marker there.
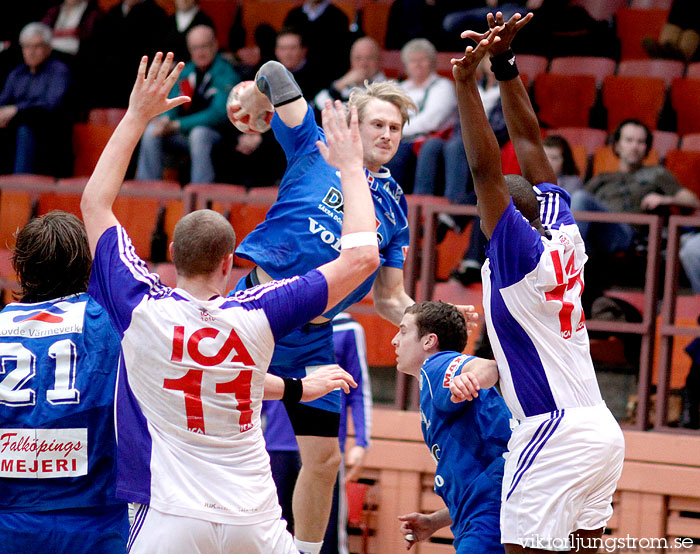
(190, 389)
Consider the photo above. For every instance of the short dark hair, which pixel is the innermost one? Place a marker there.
(201, 241)
(568, 163)
(442, 319)
(51, 257)
(293, 31)
(632, 121)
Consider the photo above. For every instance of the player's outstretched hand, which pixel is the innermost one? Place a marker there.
(344, 148)
(465, 67)
(510, 29)
(324, 380)
(471, 316)
(415, 527)
(464, 386)
(149, 97)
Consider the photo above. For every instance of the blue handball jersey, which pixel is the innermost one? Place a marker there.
(302, 229)
(467, 441)
(59, 364)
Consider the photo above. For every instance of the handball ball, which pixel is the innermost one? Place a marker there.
(241, 118)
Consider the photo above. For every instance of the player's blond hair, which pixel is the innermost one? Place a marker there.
(201, 241)
(388, 91)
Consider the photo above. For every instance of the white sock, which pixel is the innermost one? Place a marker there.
(308, 547)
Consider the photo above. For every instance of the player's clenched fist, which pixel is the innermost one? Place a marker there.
(248, 109)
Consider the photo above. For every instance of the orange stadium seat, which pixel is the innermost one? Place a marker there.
(530, 66)
(633, 25)
(374, 19)
(66, 197)
(691, 142)
(668, 70)
(106, 116)
(583, 65)
(444, 65)
(591, 139)
(685, 165)
(684, 99)
(663, 142)
(564, 100)
(17, 204)
(638, 97)
(256, 13)
(89, 140)
(605, 160)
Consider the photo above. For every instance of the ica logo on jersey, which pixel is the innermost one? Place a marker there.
(208, 337)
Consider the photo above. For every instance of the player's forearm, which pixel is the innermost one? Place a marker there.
(392, 307)
(440, 519)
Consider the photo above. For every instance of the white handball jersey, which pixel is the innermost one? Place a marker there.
(532, 305)
(190, 385)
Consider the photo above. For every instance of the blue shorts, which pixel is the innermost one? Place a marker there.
(300, 352)
(482, 535)
(72, 531)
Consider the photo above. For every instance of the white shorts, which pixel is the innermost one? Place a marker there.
(153, 532)
(560, 474)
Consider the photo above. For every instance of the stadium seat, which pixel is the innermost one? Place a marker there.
(633, 97)
(651, 4)
(685, 166)
(256, 13)
(530, 66)
(668, 70)
(583, 65)
(444, 64)
(106, 116)
(89, 140)
(684, 99)
(223, 13)
(605, 160)
(633, 25)
(374, 20)
(591, 139)
(691, 142)
(564, 100)
(390, 61)
(601, 10)
(17, 202)
(693, 70)
(663, 142)
(66, 197)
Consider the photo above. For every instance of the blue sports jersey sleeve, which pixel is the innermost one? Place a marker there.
(287, 303)
(441, 381)
(514, 249)
(299, 140)
(395, 252)
(119, 278)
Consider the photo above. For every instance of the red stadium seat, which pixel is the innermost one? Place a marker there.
(89, 140)
(255, 13)
(106, 116)
(17, 203)
(444, 64)
(583, 65)
(668, 70)
(390, 61)
(564, 100)
(684, 99)
(691, 142)
(633, 97)
(693, 71)
(601, 10)
(633, 25)
(591, 139)
(223, 13)
(374, 19)
(530, 66)
(651, 4)
(663, 142)
(66, 197)
(685, 166)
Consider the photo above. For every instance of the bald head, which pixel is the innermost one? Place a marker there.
(364, 57)
(202, 45)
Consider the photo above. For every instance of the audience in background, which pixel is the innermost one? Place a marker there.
(131, 29)
(326, 33)
(34, 114)
(292, 52)
(187, 16)
(437, 107)
(562, 161)
(364, 66)
(680, 36)
(197, 126)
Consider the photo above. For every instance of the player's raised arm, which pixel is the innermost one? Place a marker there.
(149, 98)
(480, 143)
(275, 90)
(523, 127)
(359, 254)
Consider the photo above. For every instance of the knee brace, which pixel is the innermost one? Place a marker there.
(277, 83)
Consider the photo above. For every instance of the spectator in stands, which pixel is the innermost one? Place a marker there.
(34, 115)
(364, 66)
(680, 36)
(281, 444)
(291, 51)
(474, 16)
(131, 29)
(561, 159)
(437, 107)
(196, 126)
(326, 33)
(187, 16)
(631, 189)
(690, 259)
(409, 19)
